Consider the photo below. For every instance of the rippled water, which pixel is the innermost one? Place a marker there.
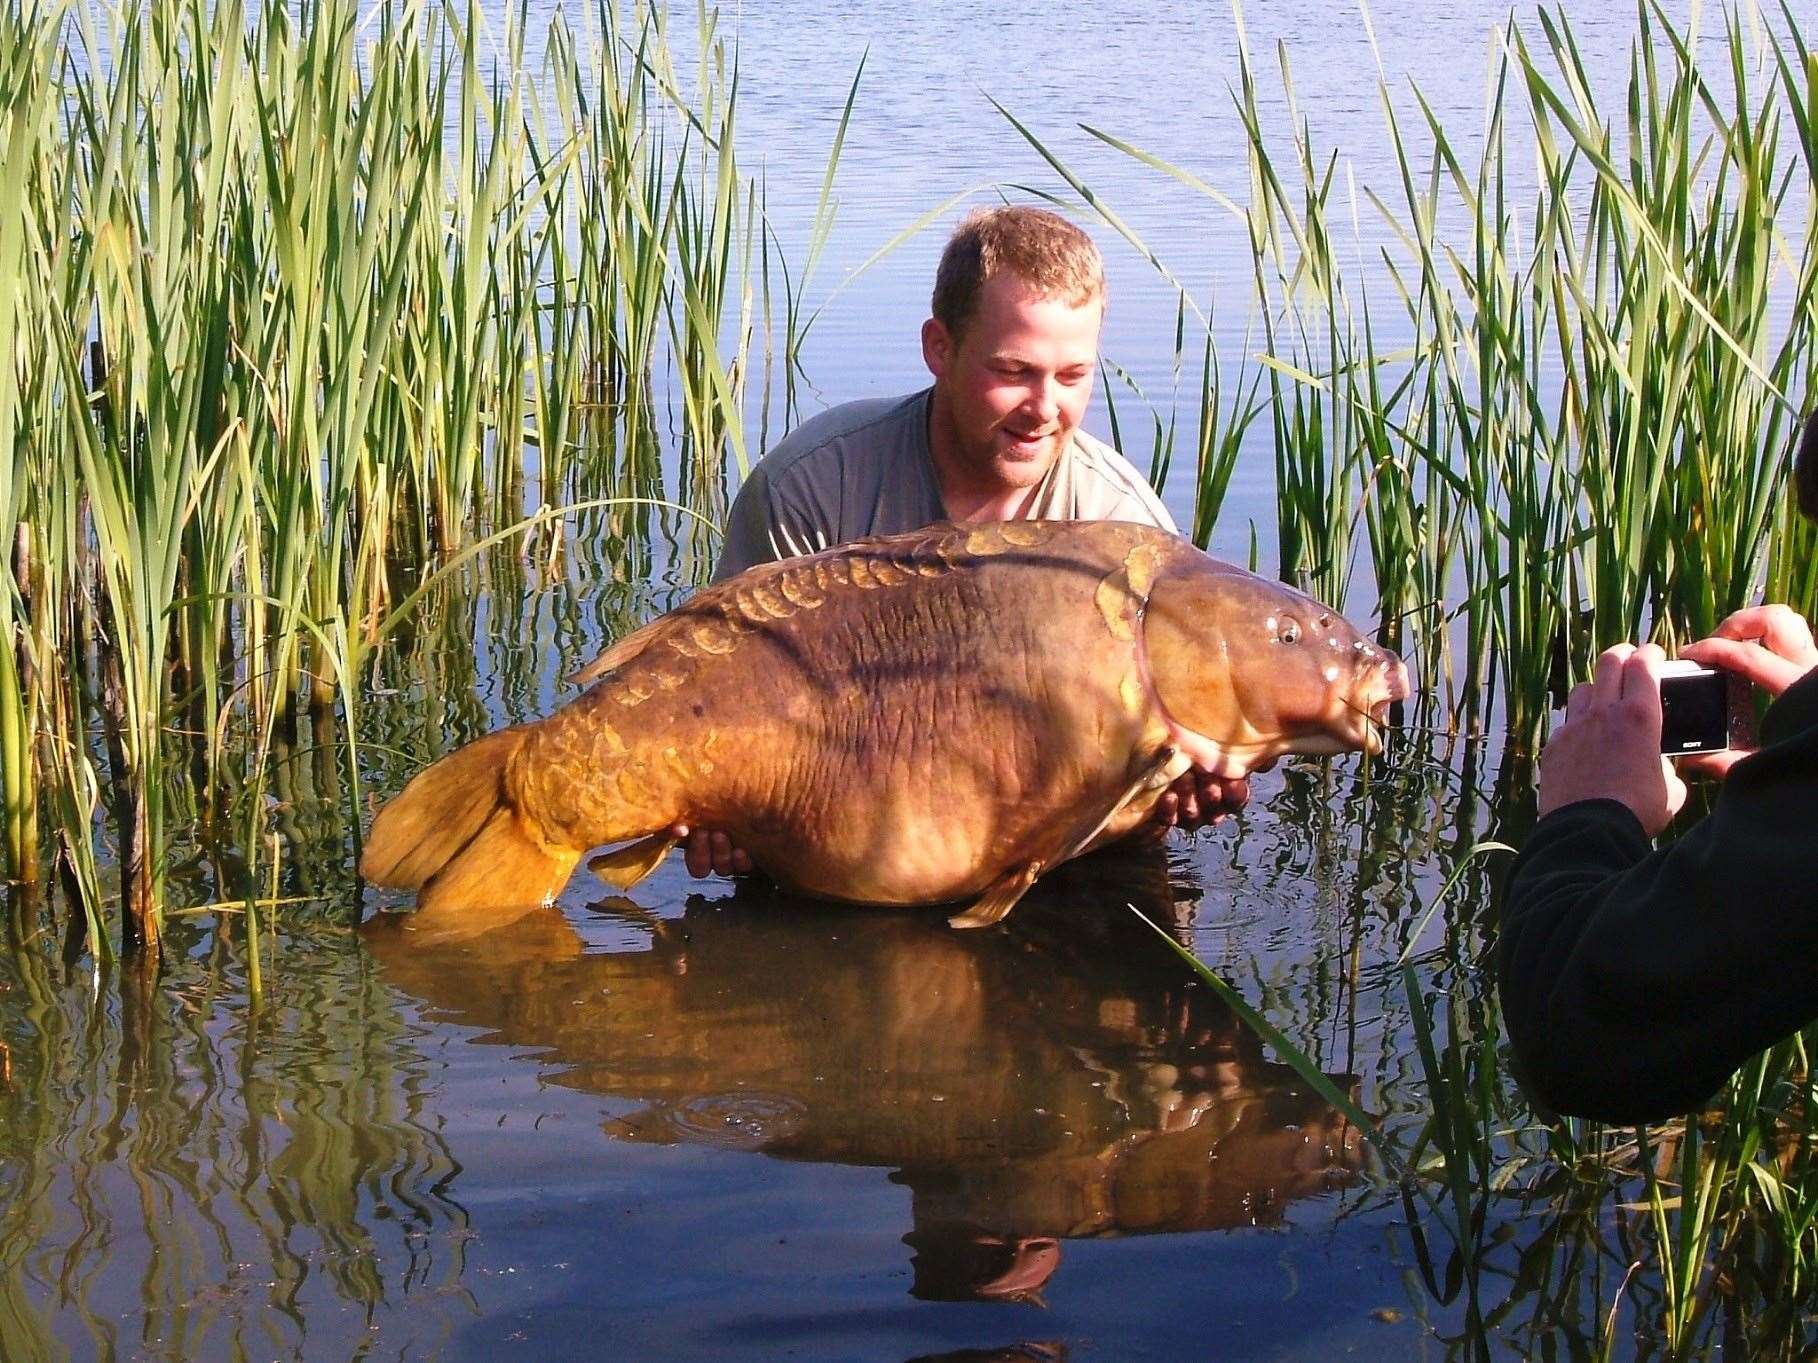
(712, 1122)
(721, 1125)
(708, 1122)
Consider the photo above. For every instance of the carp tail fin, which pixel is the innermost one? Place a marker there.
(452, 835)
(626, 866)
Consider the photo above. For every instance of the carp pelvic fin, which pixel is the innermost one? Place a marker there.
(999, 898)
(625, 867)
(504, 866)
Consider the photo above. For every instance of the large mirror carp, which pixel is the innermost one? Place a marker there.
(928, 718)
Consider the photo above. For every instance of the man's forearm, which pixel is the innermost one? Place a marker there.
(1634, 981)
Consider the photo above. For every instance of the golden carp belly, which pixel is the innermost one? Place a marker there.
(915, 719)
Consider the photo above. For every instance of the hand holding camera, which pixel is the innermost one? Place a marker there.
(1770, 646)
(1609, 746)
(1617, 726)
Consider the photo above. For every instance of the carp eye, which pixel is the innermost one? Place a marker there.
(1288, 633)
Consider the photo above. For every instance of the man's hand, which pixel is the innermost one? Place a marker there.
(1609, 745)
(1771, 646)
(708, 851)
(1198, 798)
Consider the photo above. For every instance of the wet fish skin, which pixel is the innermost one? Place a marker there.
(915, 719)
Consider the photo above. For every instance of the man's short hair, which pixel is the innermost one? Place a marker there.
(1042, 249)
(1805, 468)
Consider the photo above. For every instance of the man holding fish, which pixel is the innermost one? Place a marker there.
(1012, 344)
(937, 716)
(1636, 979)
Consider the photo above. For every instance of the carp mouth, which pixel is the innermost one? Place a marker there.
(1385, 684)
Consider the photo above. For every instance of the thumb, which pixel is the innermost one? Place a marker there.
(1675, 788)
(1715, 765)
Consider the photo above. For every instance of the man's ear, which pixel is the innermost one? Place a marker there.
(937, 346)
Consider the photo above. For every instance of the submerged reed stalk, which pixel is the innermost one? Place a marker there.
(287, 303)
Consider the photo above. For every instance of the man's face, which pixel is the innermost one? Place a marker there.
(1013, 386)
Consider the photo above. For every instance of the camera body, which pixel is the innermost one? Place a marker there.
(1703, 710)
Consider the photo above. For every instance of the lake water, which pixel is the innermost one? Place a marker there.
(706, 1123)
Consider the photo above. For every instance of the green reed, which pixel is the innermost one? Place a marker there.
(1566, 419)
(1543, 1234)
(291, 302)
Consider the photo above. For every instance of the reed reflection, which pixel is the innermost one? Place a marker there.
(1060, 1077)
(185, 1176)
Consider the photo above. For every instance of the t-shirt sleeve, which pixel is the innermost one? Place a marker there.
(769, 522)
(747, 529)
(1635, 981)
(1107, 487)
(1147, 510)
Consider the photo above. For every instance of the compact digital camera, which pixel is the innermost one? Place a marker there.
(1703, 710)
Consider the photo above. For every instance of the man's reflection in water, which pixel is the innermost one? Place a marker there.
(1060, 1076)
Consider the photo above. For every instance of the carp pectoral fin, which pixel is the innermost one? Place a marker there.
(629, 864)
(1147, 775)
(999, 898)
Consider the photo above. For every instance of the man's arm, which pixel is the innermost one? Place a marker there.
(748, 523)
(1634, 981)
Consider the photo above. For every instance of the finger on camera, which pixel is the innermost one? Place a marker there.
(1641, 680)
(1606, 682)
(1779, 628)
(1753, 661)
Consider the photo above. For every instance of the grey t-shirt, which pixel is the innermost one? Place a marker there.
(864, 468)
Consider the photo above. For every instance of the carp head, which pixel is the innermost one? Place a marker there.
(1251, 669)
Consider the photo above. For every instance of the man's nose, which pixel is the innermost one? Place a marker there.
(1044, 397)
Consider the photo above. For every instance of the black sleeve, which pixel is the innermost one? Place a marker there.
(747, 541)
(1635, 981)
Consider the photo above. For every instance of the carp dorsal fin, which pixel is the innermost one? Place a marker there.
(999, 897)
(627, 865)
(618, 654)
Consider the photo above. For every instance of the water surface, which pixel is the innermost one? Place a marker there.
(707, 1121)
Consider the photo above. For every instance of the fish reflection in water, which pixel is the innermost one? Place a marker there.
(1064, 1076)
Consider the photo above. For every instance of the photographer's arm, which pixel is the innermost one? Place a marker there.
(1635, 981)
